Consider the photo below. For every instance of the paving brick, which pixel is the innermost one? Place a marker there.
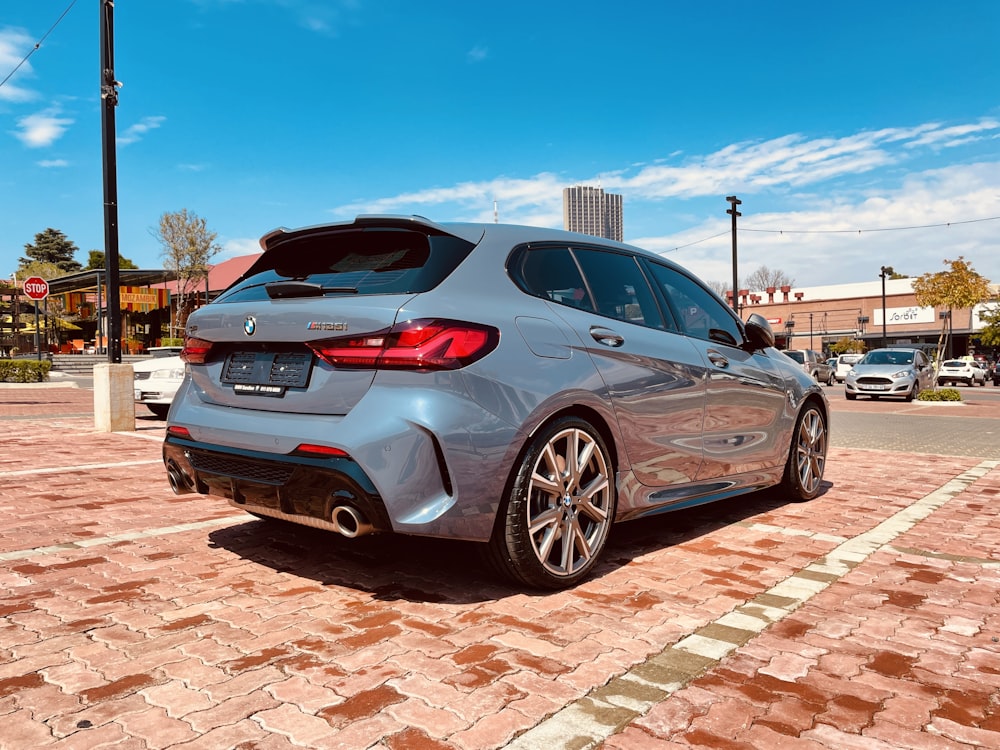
(247, 632)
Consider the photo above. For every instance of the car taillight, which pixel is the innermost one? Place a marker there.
(322, 451)
(426, 344)
(196, 351)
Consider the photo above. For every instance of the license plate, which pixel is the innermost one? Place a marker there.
(874, 387)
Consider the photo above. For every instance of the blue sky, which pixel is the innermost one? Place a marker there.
(857, 134)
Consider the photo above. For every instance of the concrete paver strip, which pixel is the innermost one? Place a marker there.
(865, 618)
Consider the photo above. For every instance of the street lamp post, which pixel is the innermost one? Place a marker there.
(734, 202)
(886, 271)
(789, 325)
(810, 330)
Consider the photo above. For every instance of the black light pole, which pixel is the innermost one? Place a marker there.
(109, 100)
(886, 271)
(734, 201)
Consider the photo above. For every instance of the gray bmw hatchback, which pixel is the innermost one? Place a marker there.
(520, 387)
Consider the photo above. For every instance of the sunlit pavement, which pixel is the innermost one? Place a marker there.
(132, 618)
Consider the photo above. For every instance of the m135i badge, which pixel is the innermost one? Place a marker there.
(249, 325)
(316, 325)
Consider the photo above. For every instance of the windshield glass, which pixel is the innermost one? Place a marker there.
(373, 261)
(887, 358)
(797, 356)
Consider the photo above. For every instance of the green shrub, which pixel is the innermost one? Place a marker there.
(171, 342)
(24, 370)
(940, 394)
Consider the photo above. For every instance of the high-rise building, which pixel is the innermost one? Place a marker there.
(592, 211)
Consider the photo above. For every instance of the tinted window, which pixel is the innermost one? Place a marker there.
(618, 287)
(607, 283)
(552, 273)
(699, 312)
(797, 356)
(382, 261)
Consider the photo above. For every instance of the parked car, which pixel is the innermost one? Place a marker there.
(844, 364)
(967, 371)
(889, 372)
(520, 387)
(813, 364)
(157, 381)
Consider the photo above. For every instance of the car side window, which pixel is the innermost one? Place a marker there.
(551, 273)
(698, 311)
(619, 287)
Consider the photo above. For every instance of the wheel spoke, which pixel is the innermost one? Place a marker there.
(570, 495)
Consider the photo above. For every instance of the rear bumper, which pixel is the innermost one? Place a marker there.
(438, 470)
(304, 490)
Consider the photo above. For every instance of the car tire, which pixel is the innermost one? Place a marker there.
(554, 524)
(914, 392)
(832, 380)
(807, 457)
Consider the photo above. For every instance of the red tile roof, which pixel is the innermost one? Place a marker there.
(221, 275)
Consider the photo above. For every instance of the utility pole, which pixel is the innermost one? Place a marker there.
(114, 409)
(109, 100)
(734, 201)
(886, 271)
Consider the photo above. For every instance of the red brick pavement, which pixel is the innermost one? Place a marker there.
(131, 618)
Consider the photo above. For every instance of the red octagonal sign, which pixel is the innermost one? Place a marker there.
(36, 287)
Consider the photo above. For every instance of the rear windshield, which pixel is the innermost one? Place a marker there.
(797, 356)
(354, 262)
(954, 363)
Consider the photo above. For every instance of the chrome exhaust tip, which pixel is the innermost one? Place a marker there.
(177, 480)
(349, 522)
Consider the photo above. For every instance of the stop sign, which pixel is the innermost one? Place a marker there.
(36, 287)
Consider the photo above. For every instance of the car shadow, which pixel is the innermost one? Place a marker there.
(393, 567)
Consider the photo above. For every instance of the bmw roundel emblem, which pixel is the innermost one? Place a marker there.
(250, 325)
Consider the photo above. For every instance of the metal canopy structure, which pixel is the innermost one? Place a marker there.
(88, 281)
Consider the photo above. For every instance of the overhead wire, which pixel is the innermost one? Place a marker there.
(833, 231)
(38, 44)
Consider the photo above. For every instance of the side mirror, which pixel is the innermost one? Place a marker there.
(759, 332)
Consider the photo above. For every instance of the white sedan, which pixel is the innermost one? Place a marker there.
(156, 382)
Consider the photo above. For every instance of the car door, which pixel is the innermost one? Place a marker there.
(655, 377)
(745, 429)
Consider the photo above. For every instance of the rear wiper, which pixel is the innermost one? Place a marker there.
(283, 289)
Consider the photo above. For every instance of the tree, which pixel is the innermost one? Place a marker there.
(51, 246)
(765, 278)
(96, 261)
(990, 335)
(960, 288)
(846, 344)
(188, 246)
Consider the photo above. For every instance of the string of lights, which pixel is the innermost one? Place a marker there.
(837, 231)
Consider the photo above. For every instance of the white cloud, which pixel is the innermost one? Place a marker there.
(14, 45)
(49, 163)
(42, 129)
(807, 197)
(477, 53)
(135, 132)
(236, 247)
